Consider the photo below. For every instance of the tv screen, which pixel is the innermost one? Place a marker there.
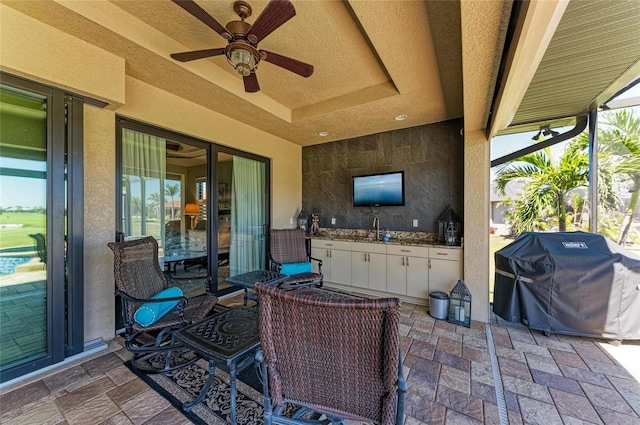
(386, 189)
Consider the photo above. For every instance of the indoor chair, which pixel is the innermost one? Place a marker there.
(335, 356)
(152, 309)
(288, 255)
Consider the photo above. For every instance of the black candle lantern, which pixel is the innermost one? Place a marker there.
(460, 305)
(449, 228)
(451, 234)
(303, 220)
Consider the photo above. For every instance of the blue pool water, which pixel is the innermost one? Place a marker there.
(8, 262)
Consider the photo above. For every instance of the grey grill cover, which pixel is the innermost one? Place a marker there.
(569, 282)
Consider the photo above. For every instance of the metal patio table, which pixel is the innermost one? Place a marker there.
(247, 280)
(230, 337)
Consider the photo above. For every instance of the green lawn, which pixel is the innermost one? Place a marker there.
(495, 244)
(32, 222)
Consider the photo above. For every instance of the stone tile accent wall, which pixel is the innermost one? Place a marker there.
(431, 156)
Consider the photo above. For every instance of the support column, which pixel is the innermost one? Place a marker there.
(476, 221)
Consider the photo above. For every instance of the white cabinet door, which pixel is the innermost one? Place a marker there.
(445, 268)
(417, 277)
(360, 269)
(378, 272)
(396, 274)
(341, 266)
(443, 274)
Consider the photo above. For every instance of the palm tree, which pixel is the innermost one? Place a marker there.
(155, 202)
(546, 184)
(620, 141)
(136, 205)
(171, 191)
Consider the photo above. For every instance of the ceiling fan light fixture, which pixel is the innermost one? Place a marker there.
(243, 58)
(323, 133)
(400, 117)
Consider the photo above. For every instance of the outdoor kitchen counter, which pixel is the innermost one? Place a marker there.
(424, 242)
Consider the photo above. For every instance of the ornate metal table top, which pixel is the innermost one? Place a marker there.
(225, 335)
(247, 280)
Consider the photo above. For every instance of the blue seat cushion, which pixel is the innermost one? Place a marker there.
(149, 313)
(296, 268)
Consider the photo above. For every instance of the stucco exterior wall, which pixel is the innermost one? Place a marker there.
(99, 222)
(46, 55)
(476, 221)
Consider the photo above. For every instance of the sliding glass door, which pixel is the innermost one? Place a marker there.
(209, 217)
(40, 279)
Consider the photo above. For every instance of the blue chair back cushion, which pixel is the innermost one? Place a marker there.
(296, 268)
(149, 313)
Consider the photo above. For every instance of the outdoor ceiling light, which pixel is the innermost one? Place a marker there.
(243, 57)
(536, 136)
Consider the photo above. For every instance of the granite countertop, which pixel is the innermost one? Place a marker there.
(397, 238)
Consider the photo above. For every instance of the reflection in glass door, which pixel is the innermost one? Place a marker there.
(23, 228)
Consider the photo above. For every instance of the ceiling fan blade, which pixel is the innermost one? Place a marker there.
(197, 54)
(251, 83)
(191, 7)
(276, 13)
(293, 65)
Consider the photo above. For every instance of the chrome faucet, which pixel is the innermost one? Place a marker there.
(376, 224)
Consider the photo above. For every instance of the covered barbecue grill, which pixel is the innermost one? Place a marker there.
(570, 283)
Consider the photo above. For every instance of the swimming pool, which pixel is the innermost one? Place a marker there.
(12, 257)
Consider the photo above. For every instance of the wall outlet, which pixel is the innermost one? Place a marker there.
(291, 220)
(333, 220)
(415, 222)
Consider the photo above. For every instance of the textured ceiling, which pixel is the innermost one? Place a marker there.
(373, 60)
(377, 59)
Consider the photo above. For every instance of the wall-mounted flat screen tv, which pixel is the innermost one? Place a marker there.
(385, 189)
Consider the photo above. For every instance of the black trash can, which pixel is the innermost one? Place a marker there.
(438, 305)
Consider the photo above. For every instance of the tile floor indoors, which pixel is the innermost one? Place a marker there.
(540, 380)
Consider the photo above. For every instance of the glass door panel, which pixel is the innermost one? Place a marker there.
(248, 215)
(23, 228)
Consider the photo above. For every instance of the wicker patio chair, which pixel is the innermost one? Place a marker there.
(330, 354)
(138, 278)
(41, 246)
(288, 246)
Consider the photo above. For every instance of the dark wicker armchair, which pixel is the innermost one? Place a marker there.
(287, 246)
(138, 278)
(331, 354)
(41, 246)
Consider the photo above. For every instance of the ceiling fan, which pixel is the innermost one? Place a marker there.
(242, 51)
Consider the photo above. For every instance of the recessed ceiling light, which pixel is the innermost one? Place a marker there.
(401, 117)
(323, 134)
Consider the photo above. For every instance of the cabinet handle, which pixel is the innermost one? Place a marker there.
(429, 262)
(442, 253)
(403, 260)
(368, 257)
(329, 244)
(407, 261)
(365, 256)
(405, 250)
(330, 253)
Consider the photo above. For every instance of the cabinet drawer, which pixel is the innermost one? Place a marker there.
(446, 253)
(328, 244)
(411, 251)
(376, 248)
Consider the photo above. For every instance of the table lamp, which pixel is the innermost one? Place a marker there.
(192, 210)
